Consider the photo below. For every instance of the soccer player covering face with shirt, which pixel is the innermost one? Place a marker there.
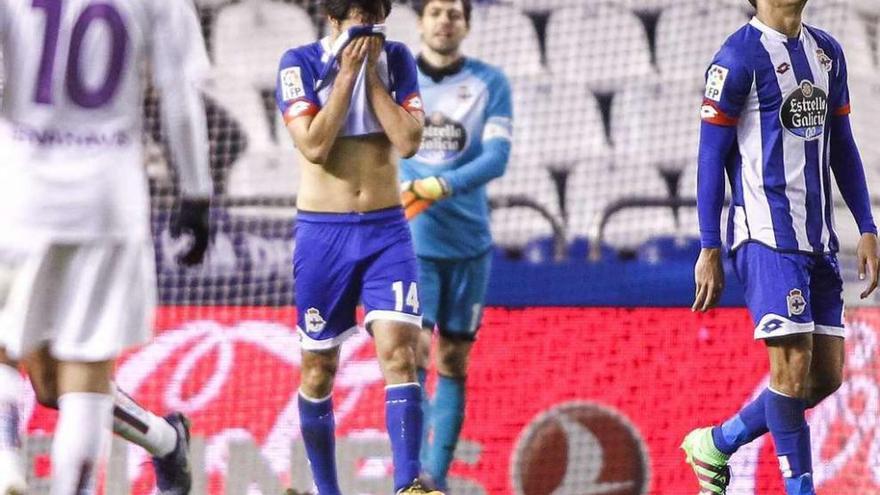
(352, 105)
(466, 144)
(77, 275)
(776, 120)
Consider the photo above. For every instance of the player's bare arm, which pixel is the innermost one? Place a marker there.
(403, 127)
(315, 135)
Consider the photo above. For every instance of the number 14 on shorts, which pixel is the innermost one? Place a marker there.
(411, 299)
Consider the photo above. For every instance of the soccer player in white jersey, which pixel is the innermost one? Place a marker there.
(776, 121)
(74, 216)
(466, 144)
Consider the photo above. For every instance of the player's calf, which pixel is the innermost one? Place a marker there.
(785, 407)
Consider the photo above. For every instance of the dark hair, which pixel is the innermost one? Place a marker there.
(754, 3)
(338, 9)
(419, 6)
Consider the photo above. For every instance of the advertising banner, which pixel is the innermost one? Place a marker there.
(559, 401)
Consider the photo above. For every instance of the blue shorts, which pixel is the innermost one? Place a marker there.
(341, 259)
(452, 294)
(789, 293)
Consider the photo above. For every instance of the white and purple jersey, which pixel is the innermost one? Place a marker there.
(301, 91)
(786, 99)
(73, 97)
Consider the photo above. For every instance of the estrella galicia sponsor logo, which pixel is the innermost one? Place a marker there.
(804, 111)
(443, 139)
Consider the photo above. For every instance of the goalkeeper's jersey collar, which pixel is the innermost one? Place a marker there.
(438, 73)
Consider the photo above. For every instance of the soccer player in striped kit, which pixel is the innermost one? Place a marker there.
(776, 120)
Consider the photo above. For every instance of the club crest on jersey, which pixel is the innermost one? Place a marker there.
(715, 78)
(796, 302)
(804, 110)
(314, 321)
(824, 60)
(442, 140)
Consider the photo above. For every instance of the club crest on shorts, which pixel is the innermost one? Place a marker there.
(314, 321)
(796, 302)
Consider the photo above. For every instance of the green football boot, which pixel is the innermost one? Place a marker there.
(708, 463)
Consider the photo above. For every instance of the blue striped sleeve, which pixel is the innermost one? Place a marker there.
(716, 144)
(846, 163)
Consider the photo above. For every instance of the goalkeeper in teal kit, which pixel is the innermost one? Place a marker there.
(466, 143)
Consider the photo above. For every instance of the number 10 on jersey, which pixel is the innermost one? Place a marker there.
(77, 89)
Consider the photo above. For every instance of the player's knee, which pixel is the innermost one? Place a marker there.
(453, 363)
(46, 392)
(399, 363)
(822, 387)
(791, 377)
(317, 376)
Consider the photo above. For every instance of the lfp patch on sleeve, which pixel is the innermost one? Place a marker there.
(292, 84)
(715, 82)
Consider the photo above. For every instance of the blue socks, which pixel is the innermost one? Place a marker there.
(318, 431)
(403, 418)
(791, 434)
(749, 424)
(784, 418)
(448, 415)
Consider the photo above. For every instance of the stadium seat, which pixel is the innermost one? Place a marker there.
(514, 227)
(601, 47)
(505, 37)
(656, 125)
(545, 5)
(543, 250)
(649, 6)
(527, 174)
(850, 29)
(249, 39)
(689, 35)
(565, 128)
(670, 248)
(865, 118)
(403, 26)
(591, 189)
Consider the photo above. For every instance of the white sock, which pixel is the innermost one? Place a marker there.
(10, 392)
(82, 441)
(141, 427)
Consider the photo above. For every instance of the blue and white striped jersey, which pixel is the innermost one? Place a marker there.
(303, 87)
(780, 94)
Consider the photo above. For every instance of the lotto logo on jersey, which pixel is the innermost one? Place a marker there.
(803, 111)
(442, 140)
(715, 82)
(292, 84)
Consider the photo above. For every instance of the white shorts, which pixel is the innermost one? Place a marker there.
(88, 301)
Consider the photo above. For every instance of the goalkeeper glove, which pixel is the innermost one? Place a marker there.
(192, 217)
(418, 195)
